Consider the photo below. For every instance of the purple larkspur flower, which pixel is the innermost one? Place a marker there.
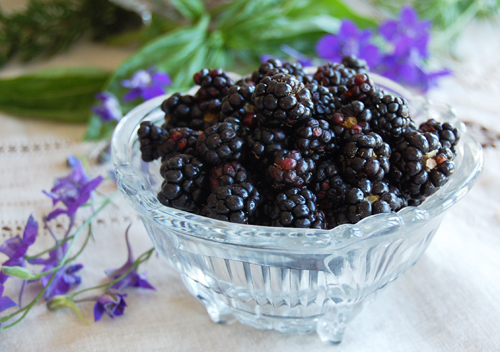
(409, 38)
(133, 278)
(15, 248)
(407, 29)
(73, 190)
(65, 278)
(146, 84)
(349, 41)
(5, 302)
(108, 108)
(112, 302)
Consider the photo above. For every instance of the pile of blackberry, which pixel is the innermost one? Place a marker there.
(283, 148)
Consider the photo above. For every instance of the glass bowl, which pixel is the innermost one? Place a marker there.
(287, 279)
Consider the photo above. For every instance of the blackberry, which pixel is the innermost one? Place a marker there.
(237, 102)
(179, 140)
(328, 186)
(359, 87)
(281, 100)
(220, 143)
(263, 142)
(391, 117)
(367, 199)
(333, 75)
(290, 169)
(324, 102)
(234, 203)
(448, 135)
(296, 207)
(149, 139)
(357, 64)
(365, 156)
(354, 118)
(274, 66)
(215, 84)
(185, 184)
(182, 111)
(420, 166)
(227, 174)
(314, 138)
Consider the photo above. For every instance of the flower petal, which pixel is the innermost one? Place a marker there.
(328, 47)
(348, 30)
(133, 94)
(161, 78)
(152, 92)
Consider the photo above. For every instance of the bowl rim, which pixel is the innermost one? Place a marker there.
(469, 165)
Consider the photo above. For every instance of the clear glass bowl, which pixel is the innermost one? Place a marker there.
(287, 279)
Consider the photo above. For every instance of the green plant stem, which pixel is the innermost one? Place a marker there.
(64, 240)
(63, 261)
(141, 259)
(89, 235)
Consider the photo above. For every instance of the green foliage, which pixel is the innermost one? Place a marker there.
(47, 28)
(63, 94)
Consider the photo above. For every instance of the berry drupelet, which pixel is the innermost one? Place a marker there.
(324, 102)
(220, 143)
(185, 184)
(296, 207)
(150, 136)
(263, 142)
(364, 156)
(183, 111)
(282, 100)
(359, 65)
(234, 203)
(227, 174)
(237, 102)
(314, 139)
(290, 169)
(448, 134)
(390, 116)
(179, 140)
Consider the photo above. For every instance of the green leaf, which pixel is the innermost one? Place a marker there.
(17, 271)
(181, 53)
(190, 9)
(62, 94)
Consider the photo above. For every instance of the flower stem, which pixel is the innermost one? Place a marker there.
(63, 261)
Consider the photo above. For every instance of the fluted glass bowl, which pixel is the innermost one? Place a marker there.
(288, 279)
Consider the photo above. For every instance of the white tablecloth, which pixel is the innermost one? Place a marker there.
(449, 301)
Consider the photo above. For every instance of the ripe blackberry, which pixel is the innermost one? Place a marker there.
(448, 135)
(359, 87)
(420, 166)
(237, 102)
(357, 64)
(149, 139)
(364, 156)
(274, 66)
(227, 174)
(179, 140)
(391, 117)
(367, 199)
(234, 203)
(333, 75)
(296, 207)
(215, 84)
(263, 142)
(314, 138)
(290, 169)
(328, 185)
(281, 100)
(185, 184)
(220, 143)
(354, 118)
(182, 111)
(324, 102)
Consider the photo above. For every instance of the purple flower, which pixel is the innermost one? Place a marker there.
(64, 278)
(109, 107)
(73, 190)
(5, 302)
(133, 278)
(16, 248)
(349, 41)
(146, 84)
(112, 303)
(408, 29)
